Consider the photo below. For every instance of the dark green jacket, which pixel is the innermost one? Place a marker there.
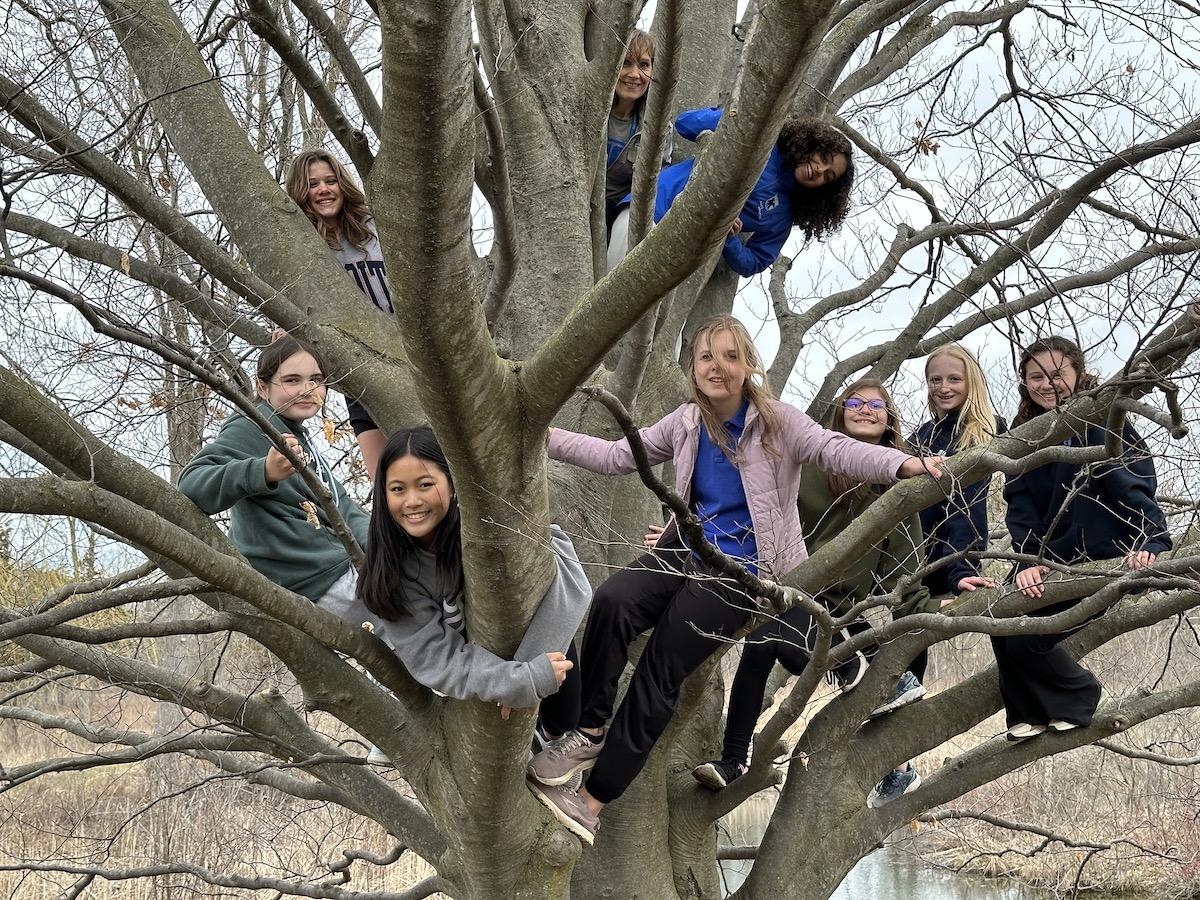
(267, 523)
(878, 569)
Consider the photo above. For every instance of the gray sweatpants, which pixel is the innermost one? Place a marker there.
(340, 600)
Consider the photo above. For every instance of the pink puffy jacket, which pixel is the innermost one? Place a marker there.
(771, 483)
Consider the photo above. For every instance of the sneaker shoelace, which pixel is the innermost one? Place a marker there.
(572, 740)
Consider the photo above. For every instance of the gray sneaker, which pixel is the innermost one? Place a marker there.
(908, 690)
(895, 785)
(569, 808)
(564, 757)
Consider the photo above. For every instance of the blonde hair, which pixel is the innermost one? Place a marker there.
(352, 219)
(976, 419)
(755, 389)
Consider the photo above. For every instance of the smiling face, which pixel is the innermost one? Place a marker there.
(718, 370)
(324, 195)
(297, 389)
(418, 496)
(634, 80)
(946, 380)
(819, 169)
(866, 415)
(1050, 378)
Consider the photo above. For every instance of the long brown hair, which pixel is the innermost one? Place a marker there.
(976, 419)
(352, 219)
(845, 489)
(756, 389)
(1069, 351)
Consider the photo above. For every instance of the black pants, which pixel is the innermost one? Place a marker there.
(1040, 681)
(559, 712)
(690, 610)
(788, 641)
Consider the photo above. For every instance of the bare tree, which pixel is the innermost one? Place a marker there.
(1020, 181)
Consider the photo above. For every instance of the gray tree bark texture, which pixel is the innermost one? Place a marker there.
(152, 196)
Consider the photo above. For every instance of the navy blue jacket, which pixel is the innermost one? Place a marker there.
(1113, 513)
(767, 214)
(958, 522)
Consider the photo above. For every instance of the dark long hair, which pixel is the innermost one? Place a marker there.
(1069, 351)
(846, 490)
(391, 552)
(819, 211)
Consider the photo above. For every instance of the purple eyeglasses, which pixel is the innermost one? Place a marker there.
(855, 403)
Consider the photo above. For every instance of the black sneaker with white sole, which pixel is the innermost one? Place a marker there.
(719, 773)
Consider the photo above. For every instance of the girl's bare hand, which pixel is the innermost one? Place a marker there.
(653, 533)
(1030, 581)
(278, 467)
(975, 582)
(561, 666)
(925, 465)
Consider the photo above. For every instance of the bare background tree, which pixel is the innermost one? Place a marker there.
(1026, 169)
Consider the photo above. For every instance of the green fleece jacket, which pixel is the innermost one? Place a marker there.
(268, 524)
(879, 568)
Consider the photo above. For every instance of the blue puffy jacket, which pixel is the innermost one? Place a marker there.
(767, 214)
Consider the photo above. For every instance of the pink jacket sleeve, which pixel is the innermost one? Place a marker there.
(832, 451)
(614, 457)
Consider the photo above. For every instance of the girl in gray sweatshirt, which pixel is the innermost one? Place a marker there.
(413, 579)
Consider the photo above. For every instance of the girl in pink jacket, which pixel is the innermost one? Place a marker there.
(737, 453)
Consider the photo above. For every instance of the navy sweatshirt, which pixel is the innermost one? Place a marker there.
(1113, 513)
(959, 522)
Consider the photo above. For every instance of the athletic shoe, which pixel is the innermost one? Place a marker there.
(895, 784)
(1023, 731)
(377, 757)
(1060, 725)
(719, 773)
(569, 808)
(563, 758)
(908, 690)
(850, 673)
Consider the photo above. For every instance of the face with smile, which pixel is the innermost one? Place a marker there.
(819, 169)
(1050, 378)
(324, 195)
(418, 496)
(946, 380)
(297, 389)
(862, 421)
(634, 81)
(719, 371)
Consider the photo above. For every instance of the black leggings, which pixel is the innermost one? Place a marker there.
(786, 640)
(692, 612)
(559, 712)
(1041, 681)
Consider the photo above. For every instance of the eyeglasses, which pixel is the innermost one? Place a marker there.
(295, 381)
(856, 403)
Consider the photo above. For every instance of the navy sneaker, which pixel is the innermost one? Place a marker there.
(719, 773)
(895, 784)
(908, 690)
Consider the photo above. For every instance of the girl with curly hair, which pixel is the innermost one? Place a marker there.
(806, 183)
(323, 188)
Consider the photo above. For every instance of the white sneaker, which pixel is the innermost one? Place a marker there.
(1060, 725)
(377, 757)
(1022, 731)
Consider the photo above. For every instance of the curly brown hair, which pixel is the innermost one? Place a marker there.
(817, 211)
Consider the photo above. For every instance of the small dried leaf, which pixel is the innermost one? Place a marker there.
(125, 262)
(165, 181)
(330, 429)
(916, 826)
(310, 513)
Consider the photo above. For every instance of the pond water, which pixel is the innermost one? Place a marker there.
(886, 874)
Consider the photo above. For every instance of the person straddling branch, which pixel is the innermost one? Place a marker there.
(737, 453)
(626, 121)
(325, 191)
(828, 503)
(806, 183)
(413, 579)
(1069, 513)
(275, 519)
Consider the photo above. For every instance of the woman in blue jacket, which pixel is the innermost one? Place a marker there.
(1059, 512)
(806, 182)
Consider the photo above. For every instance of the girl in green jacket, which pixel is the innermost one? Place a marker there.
(828, 503)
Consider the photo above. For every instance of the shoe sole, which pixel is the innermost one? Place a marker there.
(848, 686)
(560, 780)
(564, 820)
(1063, 726)
(916, 783)
(1017, 738)
(708, 776)
(912, 695)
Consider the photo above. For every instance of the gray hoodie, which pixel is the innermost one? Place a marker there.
(436, 652)
(365, 265)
